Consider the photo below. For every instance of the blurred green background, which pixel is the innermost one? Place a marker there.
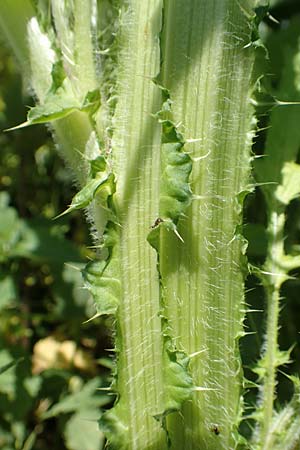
(52, 397)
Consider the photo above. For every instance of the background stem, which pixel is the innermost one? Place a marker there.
(274, 277)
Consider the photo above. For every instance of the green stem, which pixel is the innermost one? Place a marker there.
(207, 68)
(135, 150)
(278, 174)
(276, 277)
(85, 69)
(273, 275)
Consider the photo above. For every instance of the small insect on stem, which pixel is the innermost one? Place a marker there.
(157, 222)
(215, 429)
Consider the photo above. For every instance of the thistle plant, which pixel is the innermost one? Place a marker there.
(279, 174)
(151, 104)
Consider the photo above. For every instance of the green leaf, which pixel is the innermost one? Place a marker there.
(91, 102)
(7, 366)
(85, 196)
(58, 76)
(8, 292)
(59, 105)
(41, 240)
(86, 398)
(56, 107)
(8, 382)
(97, 165)
(71, 300)
(11, 227)
(35, 239)
(175, 191)
(260, 12)
(176, 166)
(33, 385)
(178, 382)
(6, 440)
(102, 287)
(102, 277)
(101, 186)
(112, 425)
(82, 431)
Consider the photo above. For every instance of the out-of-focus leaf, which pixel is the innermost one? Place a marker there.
(33, 239)
(72, 300)
(8, 292)
(41, 243)
(106, 362)
(16, 399)
(82, 431)
(6, 440)
(275, 2)
(7, 366)
(19, 432)
(85, 399)
(32, 385)
(290, 186)
(10, 227)
(8, 377)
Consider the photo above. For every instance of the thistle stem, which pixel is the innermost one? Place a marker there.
(273, 275)
(207, 68)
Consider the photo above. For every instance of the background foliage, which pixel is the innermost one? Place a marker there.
(51, 397)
